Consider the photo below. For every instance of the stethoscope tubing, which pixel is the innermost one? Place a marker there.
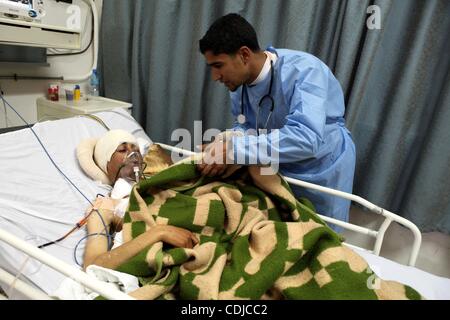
(267, 96)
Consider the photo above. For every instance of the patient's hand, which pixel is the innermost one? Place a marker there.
(175, 236)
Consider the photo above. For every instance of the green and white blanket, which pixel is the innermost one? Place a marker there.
(256, 242)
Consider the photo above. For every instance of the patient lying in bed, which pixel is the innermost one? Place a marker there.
(53, 206)
(108, 159)
(246, 246)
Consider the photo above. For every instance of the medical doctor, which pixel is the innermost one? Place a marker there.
(287, 101)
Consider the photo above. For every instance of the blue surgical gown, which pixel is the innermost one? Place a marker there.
(312, 142)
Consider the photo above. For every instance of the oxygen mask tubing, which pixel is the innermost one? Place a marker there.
(132, 167)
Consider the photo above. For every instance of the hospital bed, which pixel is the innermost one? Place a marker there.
(38, 204)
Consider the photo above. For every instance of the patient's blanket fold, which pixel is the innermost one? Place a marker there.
(257, 241)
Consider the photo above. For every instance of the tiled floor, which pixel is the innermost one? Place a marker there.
(434, 254)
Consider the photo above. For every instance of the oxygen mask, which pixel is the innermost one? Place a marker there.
(132, 167)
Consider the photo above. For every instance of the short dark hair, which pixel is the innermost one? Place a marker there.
(228, 34)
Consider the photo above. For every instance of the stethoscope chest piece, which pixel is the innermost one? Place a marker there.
(241, 119)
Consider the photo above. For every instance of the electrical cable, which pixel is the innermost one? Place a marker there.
(96, 119)
(78, 226)
(4, 107)
(82, 239)
(43, 147)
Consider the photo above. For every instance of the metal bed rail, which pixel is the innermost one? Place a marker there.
(55, 263)
(21, 287)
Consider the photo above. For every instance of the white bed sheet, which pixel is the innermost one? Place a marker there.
(428, 285)
(37, 204)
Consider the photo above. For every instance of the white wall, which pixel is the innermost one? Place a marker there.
(22, 94)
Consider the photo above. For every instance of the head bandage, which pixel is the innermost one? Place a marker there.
(107, 145)
(94, 154)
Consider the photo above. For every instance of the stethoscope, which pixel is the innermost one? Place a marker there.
(267, 96)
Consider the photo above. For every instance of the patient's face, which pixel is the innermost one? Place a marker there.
(118, 159)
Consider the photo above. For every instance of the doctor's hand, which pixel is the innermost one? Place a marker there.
(214, 161)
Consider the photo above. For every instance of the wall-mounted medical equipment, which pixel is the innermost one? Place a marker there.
(41, 23)
(21, 9)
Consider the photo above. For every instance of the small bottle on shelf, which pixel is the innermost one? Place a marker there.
(76, 93)
(94, 84)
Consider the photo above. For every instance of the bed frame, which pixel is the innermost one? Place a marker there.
(101, 288)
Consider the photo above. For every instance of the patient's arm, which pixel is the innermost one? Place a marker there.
(96, 247)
